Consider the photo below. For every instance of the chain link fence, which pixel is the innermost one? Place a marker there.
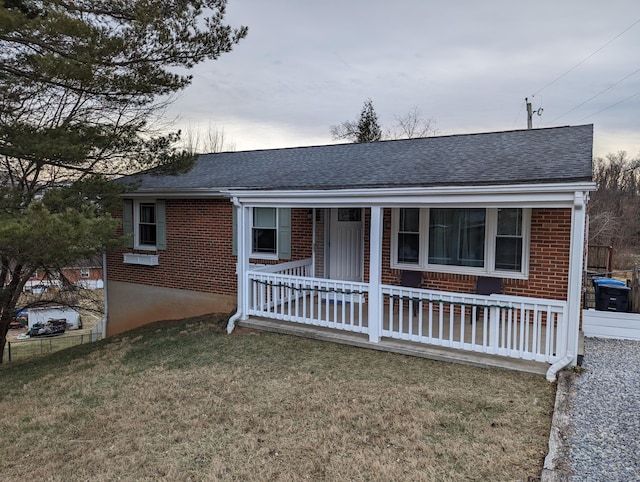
(23, 349)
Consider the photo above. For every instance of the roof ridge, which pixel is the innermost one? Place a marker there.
(386, 141)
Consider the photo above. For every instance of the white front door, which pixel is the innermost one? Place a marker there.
(345, 244)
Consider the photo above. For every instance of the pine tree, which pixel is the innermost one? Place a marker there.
(80, 83)
(368, 127)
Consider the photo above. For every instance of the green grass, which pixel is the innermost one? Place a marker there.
(184, 401)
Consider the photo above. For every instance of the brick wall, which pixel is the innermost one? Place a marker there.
(199, 252)
(548, 265)
(199, 249)
(72, 275)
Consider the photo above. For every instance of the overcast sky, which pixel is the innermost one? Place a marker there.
(306, 65)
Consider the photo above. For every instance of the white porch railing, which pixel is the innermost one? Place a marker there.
(293, 268)
(285, 292)
(512, 326)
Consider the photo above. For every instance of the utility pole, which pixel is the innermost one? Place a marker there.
(530, 113)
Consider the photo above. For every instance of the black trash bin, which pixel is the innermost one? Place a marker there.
(611, 295)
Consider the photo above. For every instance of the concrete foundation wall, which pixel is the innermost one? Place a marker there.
(132, 305)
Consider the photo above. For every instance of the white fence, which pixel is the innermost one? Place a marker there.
(611, 324)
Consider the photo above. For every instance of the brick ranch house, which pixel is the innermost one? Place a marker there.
(466, 247)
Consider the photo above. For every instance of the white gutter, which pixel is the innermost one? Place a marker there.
(516, 195)
(384, 192)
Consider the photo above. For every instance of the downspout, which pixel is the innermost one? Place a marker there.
(557, 366)
(575, 289)
(313, 244)
(105, 300)
(231, 324)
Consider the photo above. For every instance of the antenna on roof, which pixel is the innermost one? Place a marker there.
(530, 113)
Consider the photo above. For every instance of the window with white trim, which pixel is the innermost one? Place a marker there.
(409, 236)
(146, 224)
(509, 240)
(264, 231)
(457, 237)
(270, 233)
(478, 241)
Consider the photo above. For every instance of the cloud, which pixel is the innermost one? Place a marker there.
(308, 65)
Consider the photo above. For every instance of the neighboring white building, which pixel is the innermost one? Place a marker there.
(46, 313)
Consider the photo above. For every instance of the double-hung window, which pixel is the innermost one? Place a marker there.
(509, 240)
(461, 240)
(270, 234)
(144, 223)
(409, 236)
(264, 231)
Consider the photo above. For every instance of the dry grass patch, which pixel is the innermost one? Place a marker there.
(184, 401)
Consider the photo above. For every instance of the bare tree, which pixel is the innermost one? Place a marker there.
(614, 209)
(347, 130)
(211, 140)
(413, 125)
(409, 126)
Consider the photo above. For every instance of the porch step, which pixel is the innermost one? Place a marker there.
(402, 347)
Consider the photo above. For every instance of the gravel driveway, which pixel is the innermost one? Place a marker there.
(604, 434)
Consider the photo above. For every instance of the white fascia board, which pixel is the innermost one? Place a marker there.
(518, 195)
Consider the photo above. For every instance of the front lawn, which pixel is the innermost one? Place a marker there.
(184, 401)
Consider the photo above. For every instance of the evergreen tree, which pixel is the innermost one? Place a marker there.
(80, 84)
(368, 127)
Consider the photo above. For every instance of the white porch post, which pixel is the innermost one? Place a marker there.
(375, 274)
(576, 257)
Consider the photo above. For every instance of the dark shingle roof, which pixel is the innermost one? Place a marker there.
(554, 155)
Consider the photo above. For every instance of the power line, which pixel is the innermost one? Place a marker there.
(587, 58)
(518, 116)
(593, 97)
(609, 107)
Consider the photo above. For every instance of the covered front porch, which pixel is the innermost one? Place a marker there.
(518, 328)
(304, 297)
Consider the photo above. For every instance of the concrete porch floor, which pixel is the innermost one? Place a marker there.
(395, 346)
